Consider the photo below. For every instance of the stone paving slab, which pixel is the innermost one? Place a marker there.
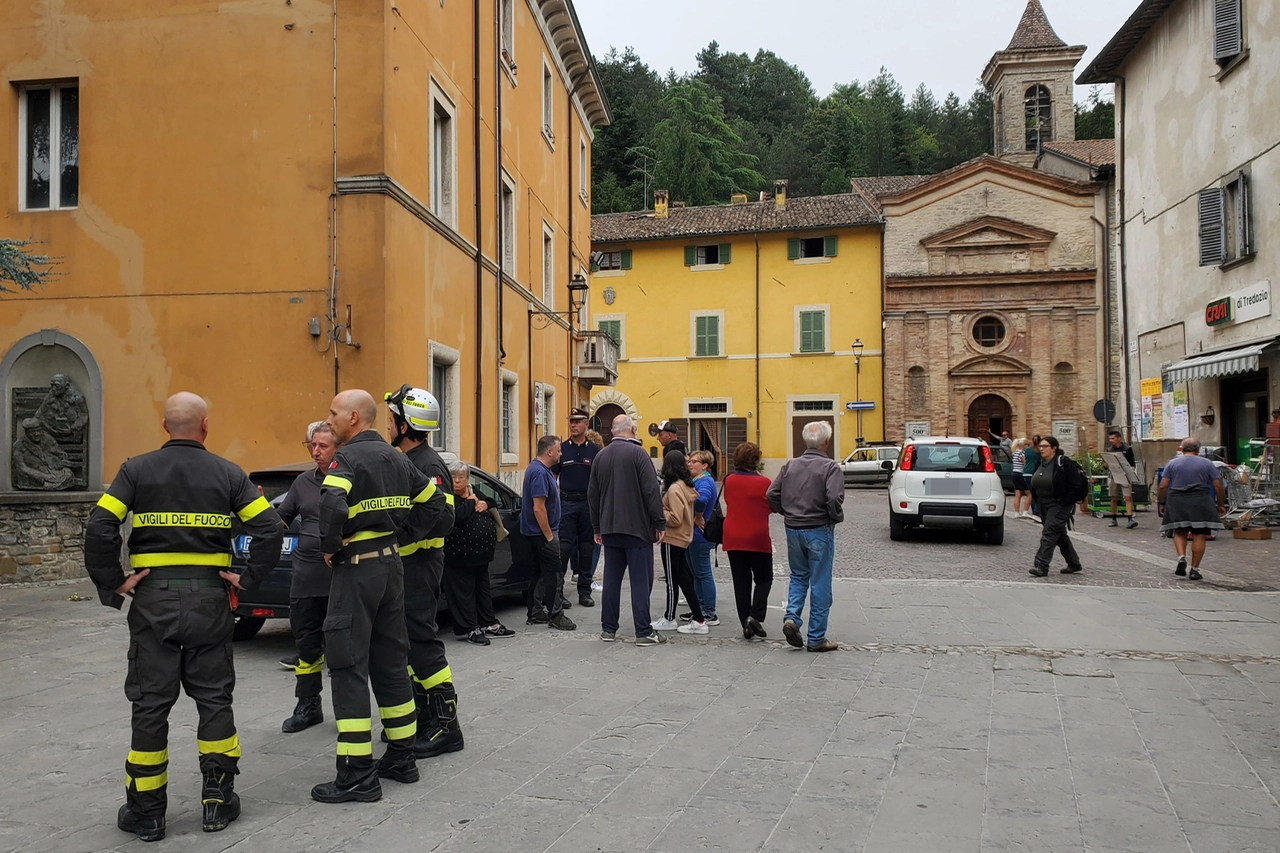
(1038, 717)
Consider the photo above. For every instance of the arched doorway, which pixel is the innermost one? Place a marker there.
(988, 414)
(602, 420)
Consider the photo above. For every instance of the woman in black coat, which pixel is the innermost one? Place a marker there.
(468, 551)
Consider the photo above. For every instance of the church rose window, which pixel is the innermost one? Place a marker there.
(988, 332)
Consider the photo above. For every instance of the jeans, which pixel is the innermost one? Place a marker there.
(699, 555)
(811, 554)
(577, 542)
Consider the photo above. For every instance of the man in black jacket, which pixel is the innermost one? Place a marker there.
(670, 439)
(182, 498)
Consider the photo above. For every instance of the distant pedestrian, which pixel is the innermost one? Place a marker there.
(700, 550)
(678, 498)
(670, 439)
(468, 551)
(809, 494)
(577, 539)
(539, 520)
(1021, 487)
(1003, 440)
(1116, 445)
(1050, 487)
(627, 516)
(746, 538)
(1187, 489)
(1030, 464)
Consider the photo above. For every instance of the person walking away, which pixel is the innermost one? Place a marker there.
(309, 580)
(678, 498)
(577, 539)
(746, 538)
(365, 503)
(809, 495)
(1031, 462)
(670, 439)
(540, 516)
(415, 414)
(627, 516)
(1188, 490)
(1021, 488)
(1118, 488)
(468, 551)
(1051, 489)
(700, 550)
(183, 499)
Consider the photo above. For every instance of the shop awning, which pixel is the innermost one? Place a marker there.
(1227, 363)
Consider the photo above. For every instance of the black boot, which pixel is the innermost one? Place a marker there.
(146, 828)
(348, 787)
(399, 766)
(221, 803)
(441, 733)
(309, 712)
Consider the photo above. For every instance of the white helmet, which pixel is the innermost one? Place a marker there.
(415, 407)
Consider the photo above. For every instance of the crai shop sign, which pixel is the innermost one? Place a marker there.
(1242, 306)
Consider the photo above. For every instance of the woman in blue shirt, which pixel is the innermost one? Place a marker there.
(699, 554)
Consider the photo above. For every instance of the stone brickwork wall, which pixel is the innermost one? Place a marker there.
(42, 535)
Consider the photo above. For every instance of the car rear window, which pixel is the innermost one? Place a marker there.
(273, 484)
(947, 457)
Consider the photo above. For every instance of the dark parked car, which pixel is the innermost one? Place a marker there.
(507, 573)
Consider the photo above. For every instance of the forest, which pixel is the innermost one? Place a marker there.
(738, 123)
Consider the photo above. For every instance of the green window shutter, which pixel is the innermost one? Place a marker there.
(707, 336)
(626, 259)
(612, 328)
(793, 249)
(725, 249)
(699, 336)
(595, 267)
(713, 336)
(812, 333)
(829, 246)
(690, 256)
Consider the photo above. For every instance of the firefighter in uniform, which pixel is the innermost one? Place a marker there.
(183, 499)
(365, 500)
(414, 413)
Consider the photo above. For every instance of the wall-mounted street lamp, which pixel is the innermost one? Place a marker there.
(857, 386)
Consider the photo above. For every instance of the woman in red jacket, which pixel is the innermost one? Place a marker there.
(746, 538)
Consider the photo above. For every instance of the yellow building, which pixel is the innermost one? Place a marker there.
(738, 321)
(264, 201)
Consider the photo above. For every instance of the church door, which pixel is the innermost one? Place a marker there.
(990, 413)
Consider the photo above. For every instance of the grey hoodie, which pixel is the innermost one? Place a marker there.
(809, 491)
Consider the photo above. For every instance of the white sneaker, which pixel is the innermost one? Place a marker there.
(665, 625)
(596, 586)
(693, 628)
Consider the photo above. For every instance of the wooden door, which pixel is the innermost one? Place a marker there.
(797, 433)
(989, 413)
(602, 422)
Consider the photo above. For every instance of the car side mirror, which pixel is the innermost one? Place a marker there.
(887, 465)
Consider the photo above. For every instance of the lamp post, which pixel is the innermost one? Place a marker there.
(578, 287)
(857, 387)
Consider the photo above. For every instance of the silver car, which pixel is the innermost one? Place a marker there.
(870, 465)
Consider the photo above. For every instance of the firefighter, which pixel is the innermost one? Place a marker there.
(183, 499)
(414, 413)
(365, 500)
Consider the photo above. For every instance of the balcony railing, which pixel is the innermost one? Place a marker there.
(597, 358)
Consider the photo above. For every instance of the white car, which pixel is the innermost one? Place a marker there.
(946, 481)
(870, 465)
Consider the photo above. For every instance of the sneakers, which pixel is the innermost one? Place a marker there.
(1070, 570)
(694, 628)
(791, 631)
(824, 646)
(1114, 522)
(712, 619)
(609, 636)
(1133, 522)
(146, 828)
(665, 625)
(367, 790)
(497, 629)
(1194, 575)
(477, 637)
(685, 617)
(1181, 571)
(597, 586)
(562, 623)
(654, 639)
(289, 663)
(219, 799)
(1040, 573)
(306, 714)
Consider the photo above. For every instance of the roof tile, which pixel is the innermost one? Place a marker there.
(803, 213)
(1034, 31)
(1093, 152)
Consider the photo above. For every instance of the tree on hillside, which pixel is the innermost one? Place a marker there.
(635, 92)
(700, 158)
(21, 267)
(1095, 118)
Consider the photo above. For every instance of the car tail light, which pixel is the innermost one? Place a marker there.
(904, 464)
(988, 463)
(902, 504)
(263, 611)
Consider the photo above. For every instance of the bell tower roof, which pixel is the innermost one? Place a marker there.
(1034, 31)
(1034, 43)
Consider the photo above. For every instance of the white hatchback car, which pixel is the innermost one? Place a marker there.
(945, 481)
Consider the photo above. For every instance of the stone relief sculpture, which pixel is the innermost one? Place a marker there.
(38, 462)
(63, 411)
(50, 425)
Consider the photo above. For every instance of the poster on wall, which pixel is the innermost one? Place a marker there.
(1065, 432)
(1152, 401)
(1181, 414)
(917, 429)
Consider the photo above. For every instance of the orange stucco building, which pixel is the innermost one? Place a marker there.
(264, 201)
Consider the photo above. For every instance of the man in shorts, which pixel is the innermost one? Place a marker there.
(1118, 489)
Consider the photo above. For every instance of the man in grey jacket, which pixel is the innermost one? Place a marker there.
(626, 514)
(809, 494)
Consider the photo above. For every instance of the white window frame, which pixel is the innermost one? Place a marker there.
(509, 216)
(549, 410)
(727, 402)
(584, 174)
(693, 332)
(621, 320)
(826, 328)
(55, 144)
(548, 103)
(450, 432)
(548, 265)
(836, 415)
(510, 436)
(444, 181)
(508, 11)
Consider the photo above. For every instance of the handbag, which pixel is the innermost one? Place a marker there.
(713, 530)
(497, 520)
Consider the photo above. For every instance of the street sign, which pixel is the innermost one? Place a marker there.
(861, 405)
(1104, 411)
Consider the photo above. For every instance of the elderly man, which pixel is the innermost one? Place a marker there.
(809, 494)
(627, 516)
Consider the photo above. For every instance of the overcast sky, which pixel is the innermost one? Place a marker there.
(944, 44)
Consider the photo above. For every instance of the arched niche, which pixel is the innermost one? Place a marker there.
(31, 363)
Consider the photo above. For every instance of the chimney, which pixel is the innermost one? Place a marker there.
(780, 194)
(764, 195)
(659, 204)
(738, 198)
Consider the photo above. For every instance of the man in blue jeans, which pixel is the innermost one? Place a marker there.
(809, 495)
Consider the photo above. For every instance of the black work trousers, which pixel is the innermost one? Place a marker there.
(179, 636)
(466, 587)
(306, 620)
(1056, 518)
(577, 542)
(636, 561)
(423, 576)
(365, 641)
(748, 568)
(675, 565)
(546, 578)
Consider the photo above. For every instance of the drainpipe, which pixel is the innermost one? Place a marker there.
(757, 340)
(884, 372)
(569, 179)
(1124, 240)
(497, 189)
(479, 212)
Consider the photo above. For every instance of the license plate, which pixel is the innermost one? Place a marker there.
(948, 486)
(286, 548)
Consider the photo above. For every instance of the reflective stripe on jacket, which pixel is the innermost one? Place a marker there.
(368, 492)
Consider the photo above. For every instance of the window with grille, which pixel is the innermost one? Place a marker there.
(813, 406)
(706, 335)
(49, 146)
(988, 332)
(813, 331)
(620, 260)
(708, 408)
(1038, 108)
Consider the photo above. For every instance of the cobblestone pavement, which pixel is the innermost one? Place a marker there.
(960, 716)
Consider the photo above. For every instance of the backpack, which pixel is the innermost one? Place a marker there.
(1075, 485)
(713, 530)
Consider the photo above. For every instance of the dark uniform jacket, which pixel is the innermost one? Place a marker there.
(367, 496)
(435, 516)
(311, 575)
(182, 498)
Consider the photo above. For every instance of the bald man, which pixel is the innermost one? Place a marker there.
(365, 503)
(185, 503)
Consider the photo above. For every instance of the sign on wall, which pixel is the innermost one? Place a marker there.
(917, 429)
(1065, 432)
(1251, 303)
